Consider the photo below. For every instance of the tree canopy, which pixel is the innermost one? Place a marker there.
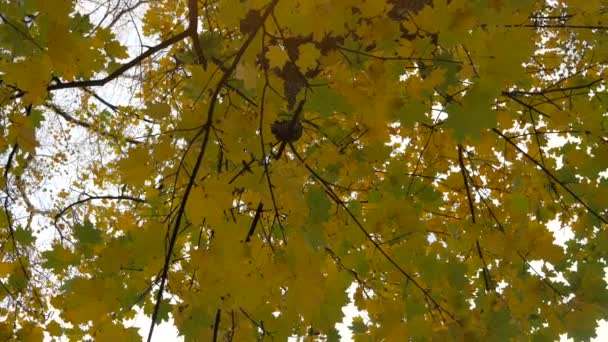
(233, 166)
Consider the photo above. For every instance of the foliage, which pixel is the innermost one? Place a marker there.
(246, 161)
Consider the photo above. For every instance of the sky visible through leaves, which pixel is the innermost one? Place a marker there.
(227, 170)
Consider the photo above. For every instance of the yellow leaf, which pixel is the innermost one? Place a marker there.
(117, 332)
(371, 8)
(194, 86)
(6, 268)
(247, 72)
(308, 56)
(30, 333)
(157, 110)
(135, 169)
(126, 222)
(208, 203)
(164, 149)
(62, 46)
(115, 50)
(231, 12)
(31, 75)
(56, 10)
(195, 209)
(70, 53)
(23, 133)
(277, 56)
(53, 328)
(88, 300)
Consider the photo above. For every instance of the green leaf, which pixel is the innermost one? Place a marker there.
(358, 326)
(473, 114)
(17, 279)
(315, 235)
(87, 234)
(589, 284)
(24, 237)
(456, 274)
(319, 206)
(81, 23)
(157, 110)
(452, 69)
(37, 117)
(581, 324)
(566, 175)
(520, 203)
(211, 44)
(408, 113)
(198, 318)
(59, 258)
(374, 196)
(163, 310)
(500, 321)
(334, 336)
(326, 101)
(87, 237)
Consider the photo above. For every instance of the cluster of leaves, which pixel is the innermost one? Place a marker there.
(425, 172)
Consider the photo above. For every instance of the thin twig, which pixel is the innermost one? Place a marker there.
(371, 239)
(206, 129)
(466, 182)
(550, 174)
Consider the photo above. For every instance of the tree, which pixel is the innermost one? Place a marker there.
(245, 161)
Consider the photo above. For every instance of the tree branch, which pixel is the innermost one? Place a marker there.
(87, 125)
(206, 129)
(135, 61)
(545, 170)
(466, 182)
(216, 325)
(371, 239)
(193, 31)
(91, 198)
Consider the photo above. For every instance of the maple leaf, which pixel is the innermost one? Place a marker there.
(448, 168)
(277, 56)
